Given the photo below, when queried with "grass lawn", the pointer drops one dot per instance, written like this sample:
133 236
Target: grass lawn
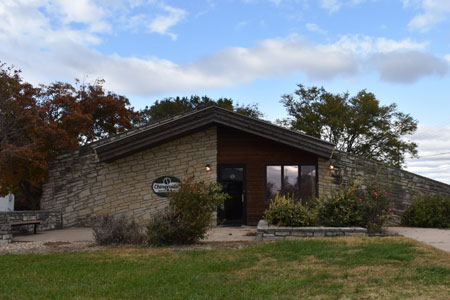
333 268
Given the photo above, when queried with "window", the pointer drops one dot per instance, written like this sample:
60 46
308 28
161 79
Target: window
299 181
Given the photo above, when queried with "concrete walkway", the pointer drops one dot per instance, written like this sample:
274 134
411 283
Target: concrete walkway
72 235
439 238
84 234
231 234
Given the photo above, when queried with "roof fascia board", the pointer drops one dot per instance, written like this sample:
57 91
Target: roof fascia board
177 127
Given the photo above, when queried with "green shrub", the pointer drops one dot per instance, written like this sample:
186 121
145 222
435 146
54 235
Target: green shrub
189 215
354 205
118 229
428 211
164 229
342 208
283 211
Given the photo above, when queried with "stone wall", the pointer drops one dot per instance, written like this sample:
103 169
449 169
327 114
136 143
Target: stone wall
265 232
82 188
49 220
5 229
403 185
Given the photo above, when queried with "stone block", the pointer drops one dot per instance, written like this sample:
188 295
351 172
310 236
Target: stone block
259 237
274 238
282 233
298 233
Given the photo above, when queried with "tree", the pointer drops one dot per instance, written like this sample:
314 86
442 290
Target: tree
169 107
85 112
37 124
358 124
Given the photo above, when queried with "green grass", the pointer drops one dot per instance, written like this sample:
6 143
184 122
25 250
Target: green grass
336 268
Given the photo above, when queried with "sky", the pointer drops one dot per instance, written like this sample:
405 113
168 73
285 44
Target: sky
253 51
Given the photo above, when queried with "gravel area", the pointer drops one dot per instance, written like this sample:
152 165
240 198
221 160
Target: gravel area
46 247
55 246
81 239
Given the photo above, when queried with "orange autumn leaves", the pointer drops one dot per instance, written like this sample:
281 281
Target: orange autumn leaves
38 123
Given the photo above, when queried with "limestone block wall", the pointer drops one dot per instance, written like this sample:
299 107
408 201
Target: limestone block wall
266 232
49 220
403 185
5 229
82 187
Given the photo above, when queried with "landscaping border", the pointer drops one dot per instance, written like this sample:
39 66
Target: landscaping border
266 232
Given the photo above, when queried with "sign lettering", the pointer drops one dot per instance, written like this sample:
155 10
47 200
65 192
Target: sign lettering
165 184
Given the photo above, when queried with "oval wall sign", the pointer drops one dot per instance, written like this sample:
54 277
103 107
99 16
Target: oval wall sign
165 184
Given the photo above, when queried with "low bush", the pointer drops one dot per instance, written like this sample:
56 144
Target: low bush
164 229
376 205
116 230
365 205
284 211
343 208
431 211
189 215
354 205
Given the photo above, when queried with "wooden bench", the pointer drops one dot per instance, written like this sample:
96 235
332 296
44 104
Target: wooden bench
35 223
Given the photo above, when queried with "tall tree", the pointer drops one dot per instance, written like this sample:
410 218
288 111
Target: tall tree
358 124
37 124
21 151
169 107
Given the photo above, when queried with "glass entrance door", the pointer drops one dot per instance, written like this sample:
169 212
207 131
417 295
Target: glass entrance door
232 179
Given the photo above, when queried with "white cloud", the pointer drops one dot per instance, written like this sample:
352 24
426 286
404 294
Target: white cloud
81 11
434 152
331 5
366 45
411 3
408 67
315 28
162 23
276 2
433 12
395 61
47 52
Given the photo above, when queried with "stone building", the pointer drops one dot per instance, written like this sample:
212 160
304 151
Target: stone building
129 173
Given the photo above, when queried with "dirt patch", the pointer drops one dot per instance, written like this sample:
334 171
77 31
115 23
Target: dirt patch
52 247
214 245
56 244
47 247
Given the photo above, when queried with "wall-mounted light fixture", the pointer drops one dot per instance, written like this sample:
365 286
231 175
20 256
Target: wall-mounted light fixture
334 170
208 168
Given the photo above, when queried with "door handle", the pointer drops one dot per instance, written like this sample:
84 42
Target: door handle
242 198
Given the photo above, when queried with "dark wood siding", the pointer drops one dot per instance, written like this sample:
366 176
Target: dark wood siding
237 147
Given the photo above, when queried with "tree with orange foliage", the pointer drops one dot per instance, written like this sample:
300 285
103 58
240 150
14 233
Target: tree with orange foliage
37 124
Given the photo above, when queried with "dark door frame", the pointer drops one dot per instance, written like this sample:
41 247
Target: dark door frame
244 185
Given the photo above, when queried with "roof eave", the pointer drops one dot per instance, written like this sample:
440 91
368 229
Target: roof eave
142 140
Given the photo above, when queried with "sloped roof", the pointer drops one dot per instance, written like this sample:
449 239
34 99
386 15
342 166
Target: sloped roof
154 134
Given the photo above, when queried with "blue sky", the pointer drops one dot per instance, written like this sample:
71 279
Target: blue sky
253 51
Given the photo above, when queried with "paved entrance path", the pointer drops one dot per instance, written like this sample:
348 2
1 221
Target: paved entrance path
84 234
439 238
72 235
231 234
